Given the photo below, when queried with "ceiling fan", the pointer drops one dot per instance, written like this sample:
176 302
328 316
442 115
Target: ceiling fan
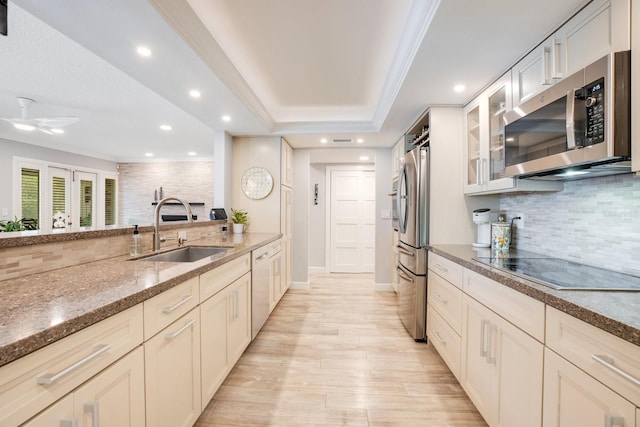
48 125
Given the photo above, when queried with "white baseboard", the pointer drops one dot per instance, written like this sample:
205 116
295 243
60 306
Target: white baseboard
383 287
318 270
299 285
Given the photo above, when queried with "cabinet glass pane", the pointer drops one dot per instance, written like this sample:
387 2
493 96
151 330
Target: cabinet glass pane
473 142
497 107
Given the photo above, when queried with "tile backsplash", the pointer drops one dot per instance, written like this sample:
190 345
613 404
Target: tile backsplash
593 221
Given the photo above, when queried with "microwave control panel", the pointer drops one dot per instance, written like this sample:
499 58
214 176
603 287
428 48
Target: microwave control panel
593 95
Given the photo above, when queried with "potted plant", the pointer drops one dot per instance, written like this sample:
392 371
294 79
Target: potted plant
239 218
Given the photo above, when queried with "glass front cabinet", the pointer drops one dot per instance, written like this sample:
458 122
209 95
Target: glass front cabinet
484 136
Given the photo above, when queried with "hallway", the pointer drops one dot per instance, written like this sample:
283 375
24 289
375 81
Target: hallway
337 355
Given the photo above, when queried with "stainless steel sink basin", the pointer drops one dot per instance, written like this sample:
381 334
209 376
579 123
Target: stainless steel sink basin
188 254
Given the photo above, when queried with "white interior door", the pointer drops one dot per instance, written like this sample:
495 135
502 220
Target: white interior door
352 221
83 202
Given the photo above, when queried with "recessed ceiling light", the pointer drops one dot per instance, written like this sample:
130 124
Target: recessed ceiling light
166 127
364 157
144 51
194 93
148 154
226 118
359 140
23 126
58 131
323 141
192 153
459 88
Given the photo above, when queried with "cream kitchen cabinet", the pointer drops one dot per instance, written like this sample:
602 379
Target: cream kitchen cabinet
113 398
589 369
502 368
397 158
485 144
225 322
276 282
172 373
603 26
444 310
574 399
37 380
286 228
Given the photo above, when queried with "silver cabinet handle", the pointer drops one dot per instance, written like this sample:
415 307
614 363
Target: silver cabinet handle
608 362
613 420
483 347
262 256
570 110
51 378
439 298
490 359
95 415
174 307
394 193
439 338
441 268
173 335
69 423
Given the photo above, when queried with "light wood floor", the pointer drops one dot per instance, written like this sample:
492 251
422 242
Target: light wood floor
337 355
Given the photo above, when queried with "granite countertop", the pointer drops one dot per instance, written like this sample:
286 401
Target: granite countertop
617 312
42 308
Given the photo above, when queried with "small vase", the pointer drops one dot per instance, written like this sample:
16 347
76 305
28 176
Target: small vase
238 228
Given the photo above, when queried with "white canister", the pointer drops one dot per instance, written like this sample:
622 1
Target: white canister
500 236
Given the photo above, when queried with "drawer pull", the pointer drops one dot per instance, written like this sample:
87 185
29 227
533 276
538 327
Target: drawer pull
403 276
608 362
95 417
439 338
172 335
403 251
174 307
439 298
441 268
51 378
613 420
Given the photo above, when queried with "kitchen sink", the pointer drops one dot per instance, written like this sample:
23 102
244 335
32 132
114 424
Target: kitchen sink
188 254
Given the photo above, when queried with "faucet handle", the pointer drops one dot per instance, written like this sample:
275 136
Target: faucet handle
181 240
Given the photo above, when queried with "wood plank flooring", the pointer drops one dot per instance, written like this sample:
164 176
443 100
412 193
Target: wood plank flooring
338 355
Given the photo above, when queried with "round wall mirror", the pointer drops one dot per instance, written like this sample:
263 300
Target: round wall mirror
257 183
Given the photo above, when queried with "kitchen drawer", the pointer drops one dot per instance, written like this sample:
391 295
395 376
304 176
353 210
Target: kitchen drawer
275 247
444 339
36 380
521 310
447 269
215 280
446 299
579 343
163 309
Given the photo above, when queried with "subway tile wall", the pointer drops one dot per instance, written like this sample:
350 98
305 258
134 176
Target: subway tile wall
593 221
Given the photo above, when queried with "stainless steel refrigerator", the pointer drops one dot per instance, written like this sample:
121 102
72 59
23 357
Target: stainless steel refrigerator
413 233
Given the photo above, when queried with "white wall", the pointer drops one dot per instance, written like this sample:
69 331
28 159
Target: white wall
10 148
450 220
383 226
222 173
264 214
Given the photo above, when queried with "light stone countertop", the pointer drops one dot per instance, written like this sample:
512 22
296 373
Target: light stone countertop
39 309
617 312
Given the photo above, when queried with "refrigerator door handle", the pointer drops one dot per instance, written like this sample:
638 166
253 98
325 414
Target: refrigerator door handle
403 200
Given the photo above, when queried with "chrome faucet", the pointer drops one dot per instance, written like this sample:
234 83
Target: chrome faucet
156 232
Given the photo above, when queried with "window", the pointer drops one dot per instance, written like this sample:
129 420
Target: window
110 201
30 195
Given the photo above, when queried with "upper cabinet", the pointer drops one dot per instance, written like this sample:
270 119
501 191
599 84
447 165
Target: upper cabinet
484 153
601 27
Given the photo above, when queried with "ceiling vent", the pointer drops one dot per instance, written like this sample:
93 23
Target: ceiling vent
343 140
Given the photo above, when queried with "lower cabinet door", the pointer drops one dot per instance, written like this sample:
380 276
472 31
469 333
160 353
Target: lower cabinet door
213 332
113 398
519 359
239 318
574 399
478 377
172 373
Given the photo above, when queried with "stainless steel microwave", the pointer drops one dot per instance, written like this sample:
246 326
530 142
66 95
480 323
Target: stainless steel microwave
579 126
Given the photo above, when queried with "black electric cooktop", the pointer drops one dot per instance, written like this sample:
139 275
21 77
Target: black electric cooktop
562 274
